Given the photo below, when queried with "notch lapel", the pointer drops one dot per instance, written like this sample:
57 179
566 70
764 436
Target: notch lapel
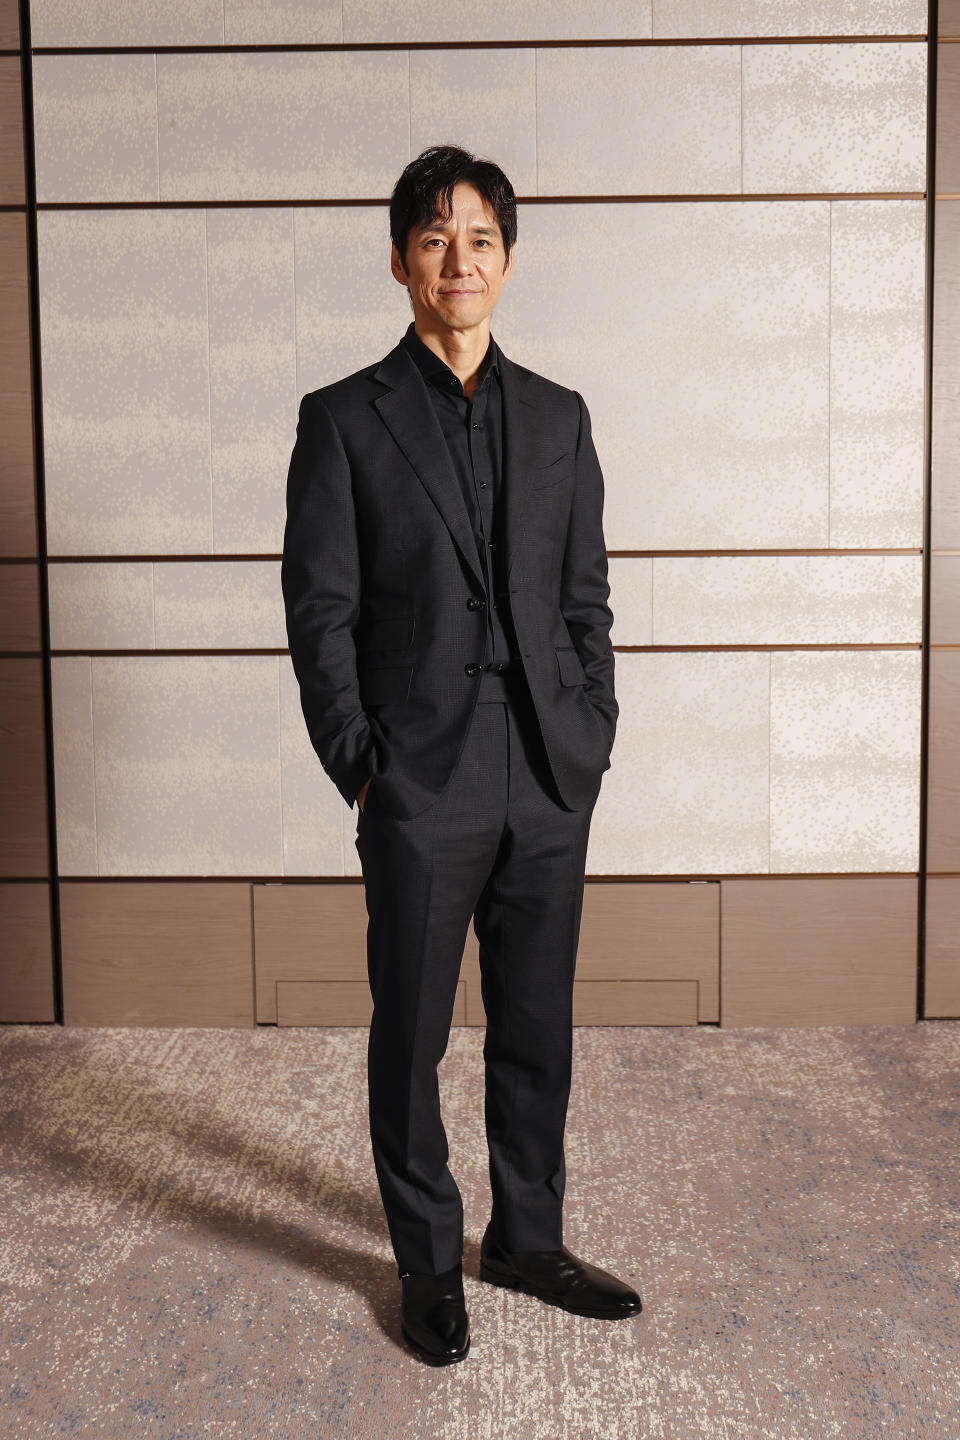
409 416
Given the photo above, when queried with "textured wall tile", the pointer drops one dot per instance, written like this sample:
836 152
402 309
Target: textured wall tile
696 18
677 127
631 600
221 604
876 372
318 829
350 309
282 22
484 100
687 790
844 761
783 599
73 765
834 117
253 350
188 765
101 606
134 22
496 20
95 121
698 335
125 382
289 126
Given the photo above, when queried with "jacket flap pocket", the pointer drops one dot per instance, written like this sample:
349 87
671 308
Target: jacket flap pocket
384 684
571 671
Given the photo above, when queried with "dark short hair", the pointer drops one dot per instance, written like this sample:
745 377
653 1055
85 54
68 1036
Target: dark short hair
425 191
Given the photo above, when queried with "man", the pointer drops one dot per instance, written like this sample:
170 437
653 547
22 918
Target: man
445 583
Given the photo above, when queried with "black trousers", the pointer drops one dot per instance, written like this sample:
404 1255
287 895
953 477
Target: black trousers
498 846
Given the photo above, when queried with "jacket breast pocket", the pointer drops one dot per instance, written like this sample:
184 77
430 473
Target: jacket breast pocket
384 684
546 476
571 670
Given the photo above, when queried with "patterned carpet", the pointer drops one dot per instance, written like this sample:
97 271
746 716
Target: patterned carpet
193 1244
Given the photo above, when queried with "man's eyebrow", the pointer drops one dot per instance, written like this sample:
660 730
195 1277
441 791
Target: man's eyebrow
478 227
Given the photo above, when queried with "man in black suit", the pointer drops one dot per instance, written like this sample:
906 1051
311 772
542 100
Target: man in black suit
445 583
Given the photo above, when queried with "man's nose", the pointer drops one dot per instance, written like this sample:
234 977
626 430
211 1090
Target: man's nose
458 256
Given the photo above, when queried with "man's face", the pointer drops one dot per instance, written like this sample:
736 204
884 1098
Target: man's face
456 268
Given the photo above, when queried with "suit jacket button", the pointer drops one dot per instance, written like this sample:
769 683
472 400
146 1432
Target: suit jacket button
472 668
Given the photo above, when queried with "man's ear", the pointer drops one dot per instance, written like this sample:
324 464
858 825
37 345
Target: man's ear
509 265
396 266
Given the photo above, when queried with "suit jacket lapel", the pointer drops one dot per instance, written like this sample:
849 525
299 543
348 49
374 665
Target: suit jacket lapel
409 416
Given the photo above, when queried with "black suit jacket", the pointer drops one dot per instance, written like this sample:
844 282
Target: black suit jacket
385 599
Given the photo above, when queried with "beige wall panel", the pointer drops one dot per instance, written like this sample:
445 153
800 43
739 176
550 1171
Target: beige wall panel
23 776
19 607
948 120
635 1002
876 372
26 960
819 951
95 119
338 1002
782 600
319 829
942 935
18 523
943 774
949 17
187 754
484 100
123 300
721 443
156 954
371 20
10 25
844 760
350 310
253 396
275 125
307 933
282 22
134 22
677 122
834 117
73 765
101 606
220 604
945 452
697 18
945 600
12 178
687 792
631 599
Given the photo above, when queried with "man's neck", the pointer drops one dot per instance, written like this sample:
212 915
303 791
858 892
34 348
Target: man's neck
462 350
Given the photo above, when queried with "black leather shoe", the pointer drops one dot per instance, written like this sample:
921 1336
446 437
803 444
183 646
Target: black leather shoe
434 1319
560 1278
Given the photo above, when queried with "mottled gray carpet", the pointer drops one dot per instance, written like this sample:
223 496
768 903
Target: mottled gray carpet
193 1244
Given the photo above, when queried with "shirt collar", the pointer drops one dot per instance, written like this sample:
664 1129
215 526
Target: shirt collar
437 371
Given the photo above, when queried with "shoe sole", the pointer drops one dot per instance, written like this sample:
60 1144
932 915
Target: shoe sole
514 1282
428 1355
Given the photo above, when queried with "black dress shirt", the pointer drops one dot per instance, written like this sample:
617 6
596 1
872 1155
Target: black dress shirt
473 430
